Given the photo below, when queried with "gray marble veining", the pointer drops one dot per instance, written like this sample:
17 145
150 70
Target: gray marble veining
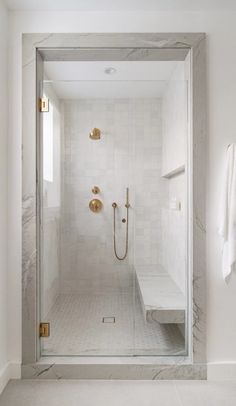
165 41
113 371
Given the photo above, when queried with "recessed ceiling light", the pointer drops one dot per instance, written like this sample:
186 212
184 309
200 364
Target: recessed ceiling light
110 70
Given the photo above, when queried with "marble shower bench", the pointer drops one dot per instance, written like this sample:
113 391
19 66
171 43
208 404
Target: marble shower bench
162 300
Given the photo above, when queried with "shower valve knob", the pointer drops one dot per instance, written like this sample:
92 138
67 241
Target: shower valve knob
95 190
95 205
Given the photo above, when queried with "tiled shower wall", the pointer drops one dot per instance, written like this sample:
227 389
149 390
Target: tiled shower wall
174 226
127 155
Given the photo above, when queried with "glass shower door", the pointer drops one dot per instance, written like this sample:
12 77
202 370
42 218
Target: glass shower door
87 294
92 150
50 227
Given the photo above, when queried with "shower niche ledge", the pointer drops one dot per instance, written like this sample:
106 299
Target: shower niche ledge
161 298
174 172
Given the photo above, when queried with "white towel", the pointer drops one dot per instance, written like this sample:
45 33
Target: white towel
227 228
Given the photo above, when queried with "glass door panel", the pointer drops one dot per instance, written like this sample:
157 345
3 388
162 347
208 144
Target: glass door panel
100 138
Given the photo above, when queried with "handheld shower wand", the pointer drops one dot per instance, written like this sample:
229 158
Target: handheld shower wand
127 205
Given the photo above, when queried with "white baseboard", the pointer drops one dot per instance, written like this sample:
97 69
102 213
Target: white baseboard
225 371
10 371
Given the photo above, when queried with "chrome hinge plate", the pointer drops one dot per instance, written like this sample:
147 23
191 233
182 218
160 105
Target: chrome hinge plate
44 330
44 105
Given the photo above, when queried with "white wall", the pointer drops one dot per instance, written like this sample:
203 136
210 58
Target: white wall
221 61
8 369
3 189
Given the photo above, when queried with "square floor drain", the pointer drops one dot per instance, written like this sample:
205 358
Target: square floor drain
108 319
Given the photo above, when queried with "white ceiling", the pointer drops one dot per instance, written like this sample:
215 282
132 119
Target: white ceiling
74 80
125 70
118 5
108 90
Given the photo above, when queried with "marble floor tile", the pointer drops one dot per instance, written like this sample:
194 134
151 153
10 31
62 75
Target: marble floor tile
118 393
77 328
206 393
89 393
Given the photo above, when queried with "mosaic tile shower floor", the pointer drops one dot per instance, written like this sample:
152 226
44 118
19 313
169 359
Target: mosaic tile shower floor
77 328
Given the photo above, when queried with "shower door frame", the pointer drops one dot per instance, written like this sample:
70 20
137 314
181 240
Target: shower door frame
39 47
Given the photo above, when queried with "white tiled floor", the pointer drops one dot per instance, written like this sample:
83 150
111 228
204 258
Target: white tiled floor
118 393
77 328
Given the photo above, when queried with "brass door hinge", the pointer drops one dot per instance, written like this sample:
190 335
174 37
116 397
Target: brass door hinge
44 105
44 330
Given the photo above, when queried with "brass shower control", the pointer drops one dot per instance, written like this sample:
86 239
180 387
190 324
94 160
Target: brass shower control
95 190
95 205
95 134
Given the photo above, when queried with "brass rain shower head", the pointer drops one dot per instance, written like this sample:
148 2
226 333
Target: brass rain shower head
95 134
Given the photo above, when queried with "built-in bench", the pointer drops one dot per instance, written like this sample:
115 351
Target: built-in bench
161 298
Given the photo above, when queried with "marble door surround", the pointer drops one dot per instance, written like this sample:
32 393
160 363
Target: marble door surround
37 48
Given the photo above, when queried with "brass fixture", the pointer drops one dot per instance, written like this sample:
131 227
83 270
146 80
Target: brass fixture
95 134
95 205
44 105
95 190
44 330
110 319
127 205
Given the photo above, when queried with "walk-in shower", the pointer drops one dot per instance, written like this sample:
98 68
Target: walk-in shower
119 255
103 113
112 248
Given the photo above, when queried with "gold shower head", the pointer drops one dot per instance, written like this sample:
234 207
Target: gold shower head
95 134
